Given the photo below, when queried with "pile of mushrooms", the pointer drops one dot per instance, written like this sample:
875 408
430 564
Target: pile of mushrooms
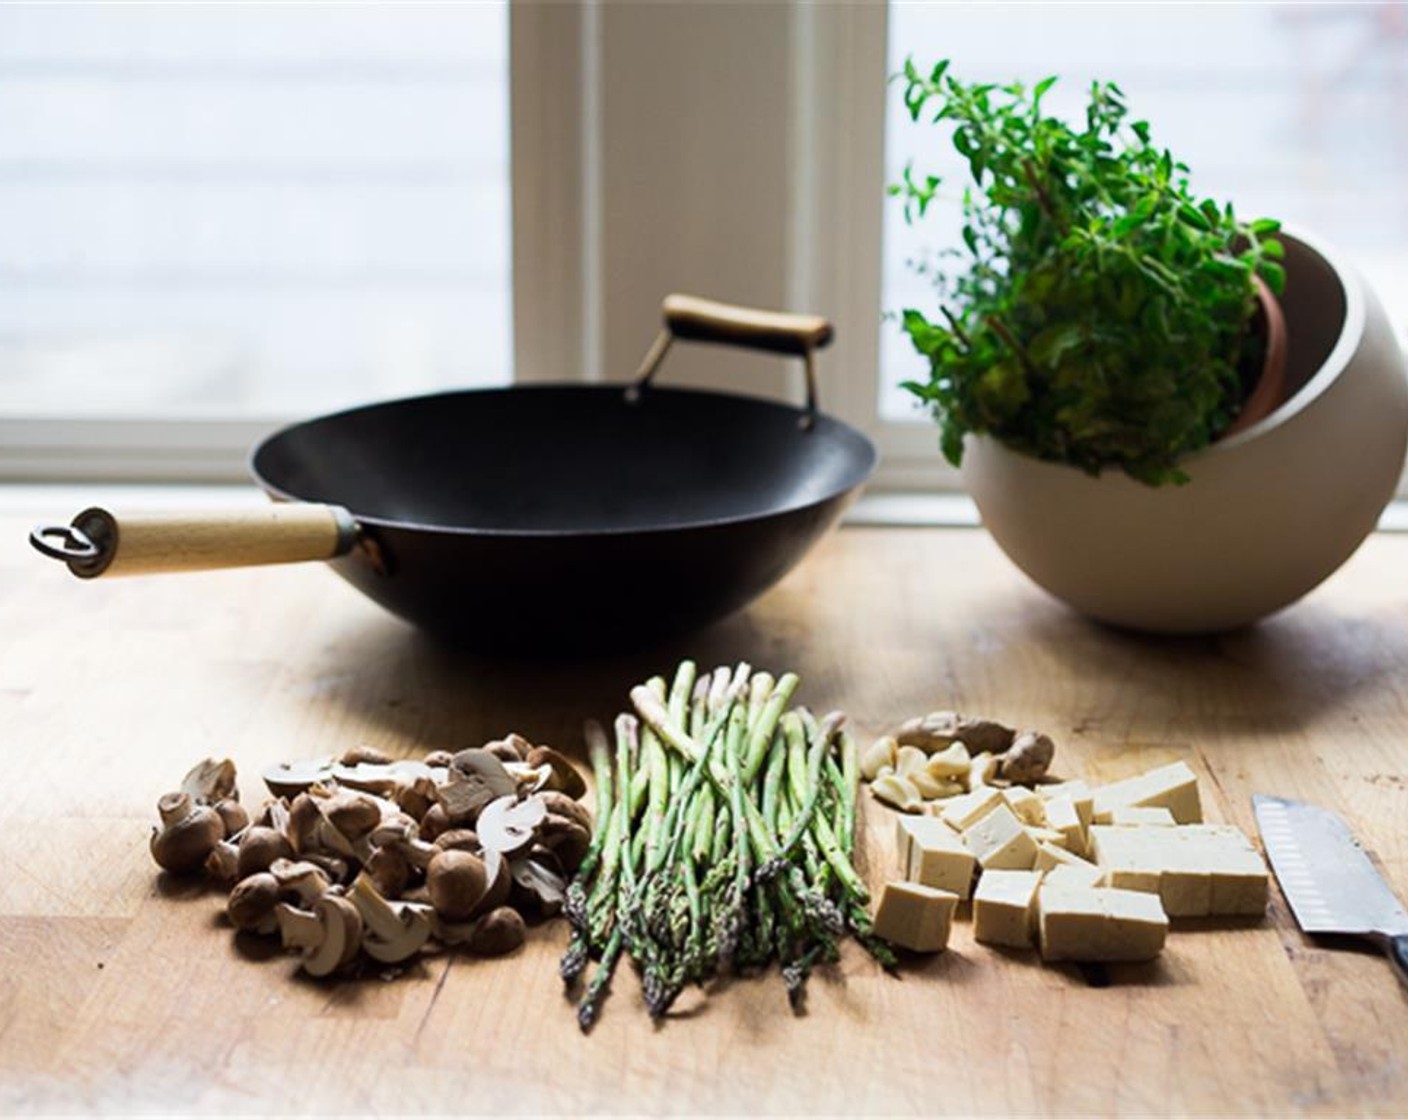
368 858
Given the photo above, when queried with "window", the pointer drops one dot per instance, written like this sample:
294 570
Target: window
234 214
1287 110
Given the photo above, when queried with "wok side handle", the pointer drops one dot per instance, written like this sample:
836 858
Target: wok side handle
705 320
100 543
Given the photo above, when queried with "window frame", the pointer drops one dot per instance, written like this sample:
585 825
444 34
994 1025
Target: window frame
818 89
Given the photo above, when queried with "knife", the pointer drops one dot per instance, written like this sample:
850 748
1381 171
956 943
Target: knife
1328 880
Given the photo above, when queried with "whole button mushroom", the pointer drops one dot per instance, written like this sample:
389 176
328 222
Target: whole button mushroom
188 833
457 882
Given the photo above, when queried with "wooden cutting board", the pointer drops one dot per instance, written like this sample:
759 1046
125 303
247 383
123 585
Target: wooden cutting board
122 991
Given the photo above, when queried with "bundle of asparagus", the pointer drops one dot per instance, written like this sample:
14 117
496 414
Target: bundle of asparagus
725 830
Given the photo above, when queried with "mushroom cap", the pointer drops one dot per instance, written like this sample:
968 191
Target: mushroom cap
182 846
565 837
251 904
259 847
500 931
457 882
559 803
233 815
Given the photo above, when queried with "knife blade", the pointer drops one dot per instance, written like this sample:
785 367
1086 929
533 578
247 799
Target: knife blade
1329 881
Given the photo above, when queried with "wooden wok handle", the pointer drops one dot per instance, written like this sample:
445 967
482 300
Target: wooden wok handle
100 543
707 320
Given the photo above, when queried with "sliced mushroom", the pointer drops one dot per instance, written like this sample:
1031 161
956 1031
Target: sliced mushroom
537 885
388 936
211 780
439 760
289 779
477 762
508 825
530 779
351 814
463 799
300 879
188 833
400 835
364 752
328 936
565 776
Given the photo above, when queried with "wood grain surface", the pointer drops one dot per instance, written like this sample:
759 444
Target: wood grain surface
123 991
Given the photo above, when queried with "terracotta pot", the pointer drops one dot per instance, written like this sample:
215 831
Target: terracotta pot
1270 389
1269 512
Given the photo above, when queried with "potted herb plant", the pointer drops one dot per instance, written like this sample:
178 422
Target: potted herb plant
1098 364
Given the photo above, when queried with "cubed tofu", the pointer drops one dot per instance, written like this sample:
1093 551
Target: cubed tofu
1153 816
998 841
1080 874
1030 808
1046 836
1173 787
1099 924
1004 908
1049 856
1081 796
960 812
931 853
1196 870
907 828
915 917
1063 817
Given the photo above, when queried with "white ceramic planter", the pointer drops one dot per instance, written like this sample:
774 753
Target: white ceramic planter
1268 513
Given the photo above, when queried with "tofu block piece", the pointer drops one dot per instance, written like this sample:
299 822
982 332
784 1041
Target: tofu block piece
1004 908
1173 787
1063 817
1046 836
1154 816
1030 808
1081 796
1196 870
961 812
907 828
1050 856
915 917
999 842
1099 924
931 853
1080 874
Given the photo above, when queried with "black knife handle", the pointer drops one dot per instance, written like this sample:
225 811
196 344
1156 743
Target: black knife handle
1396 948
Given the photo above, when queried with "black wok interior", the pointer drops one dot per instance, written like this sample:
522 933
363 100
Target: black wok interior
565 459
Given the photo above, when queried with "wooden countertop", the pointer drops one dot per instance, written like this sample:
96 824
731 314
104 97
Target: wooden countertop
123 992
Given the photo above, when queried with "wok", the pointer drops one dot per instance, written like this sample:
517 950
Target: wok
537 518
